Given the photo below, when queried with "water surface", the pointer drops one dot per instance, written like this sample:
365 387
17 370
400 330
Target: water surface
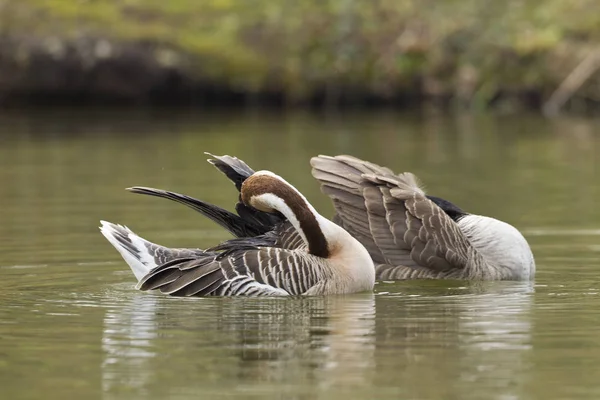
71 323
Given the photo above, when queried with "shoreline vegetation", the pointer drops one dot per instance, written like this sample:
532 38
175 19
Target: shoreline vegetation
513 55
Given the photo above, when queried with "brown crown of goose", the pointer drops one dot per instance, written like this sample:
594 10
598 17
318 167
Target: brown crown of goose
257 185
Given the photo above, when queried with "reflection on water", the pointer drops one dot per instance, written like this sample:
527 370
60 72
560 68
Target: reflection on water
127 344
71 324
322 341
320 346
475 335
496 337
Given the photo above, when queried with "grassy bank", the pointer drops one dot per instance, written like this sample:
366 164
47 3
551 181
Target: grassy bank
476 52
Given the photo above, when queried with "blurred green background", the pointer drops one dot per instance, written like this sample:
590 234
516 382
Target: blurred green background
479 54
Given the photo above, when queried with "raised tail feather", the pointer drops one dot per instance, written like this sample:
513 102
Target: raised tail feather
141 255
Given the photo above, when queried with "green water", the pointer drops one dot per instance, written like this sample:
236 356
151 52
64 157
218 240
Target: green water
72 325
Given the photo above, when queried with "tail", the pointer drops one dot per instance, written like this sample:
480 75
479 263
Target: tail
141 255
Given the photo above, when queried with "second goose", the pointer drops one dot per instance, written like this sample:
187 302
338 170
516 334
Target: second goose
411 235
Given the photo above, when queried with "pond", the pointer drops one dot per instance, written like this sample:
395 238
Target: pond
72 325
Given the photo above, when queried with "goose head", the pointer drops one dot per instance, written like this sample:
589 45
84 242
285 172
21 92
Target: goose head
268 192
265 191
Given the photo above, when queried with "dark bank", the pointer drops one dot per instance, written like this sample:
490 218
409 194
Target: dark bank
511 55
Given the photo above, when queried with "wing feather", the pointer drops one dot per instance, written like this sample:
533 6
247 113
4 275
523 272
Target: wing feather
260 271
407 234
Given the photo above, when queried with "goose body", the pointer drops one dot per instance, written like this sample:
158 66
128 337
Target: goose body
282 246
411 235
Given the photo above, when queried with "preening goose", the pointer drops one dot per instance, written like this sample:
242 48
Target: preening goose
283 246
411 235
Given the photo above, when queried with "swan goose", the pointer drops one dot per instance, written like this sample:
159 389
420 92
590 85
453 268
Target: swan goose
411 235
283 246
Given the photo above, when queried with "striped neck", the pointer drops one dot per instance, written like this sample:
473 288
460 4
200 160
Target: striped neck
268 192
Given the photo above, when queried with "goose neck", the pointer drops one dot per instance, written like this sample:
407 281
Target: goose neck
267 192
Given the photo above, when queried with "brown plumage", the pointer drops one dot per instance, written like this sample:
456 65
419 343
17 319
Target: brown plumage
410 235
255 186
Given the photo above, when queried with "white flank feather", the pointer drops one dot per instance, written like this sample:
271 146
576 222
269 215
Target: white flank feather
500 243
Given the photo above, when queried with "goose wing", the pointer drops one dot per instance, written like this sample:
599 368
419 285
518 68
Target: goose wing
247 223
244 225
237 225
235 271
403 230
237 171
287 237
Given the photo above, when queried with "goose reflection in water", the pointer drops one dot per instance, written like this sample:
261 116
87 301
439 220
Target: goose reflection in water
429 341
458 340
161 346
